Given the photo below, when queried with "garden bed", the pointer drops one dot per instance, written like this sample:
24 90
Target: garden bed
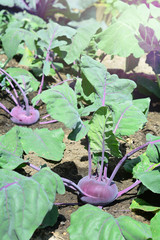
74 164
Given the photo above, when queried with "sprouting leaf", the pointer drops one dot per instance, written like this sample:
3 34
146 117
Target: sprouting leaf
103 225
100 132
140 204
45 143
127 118
25 201
109 88
10 150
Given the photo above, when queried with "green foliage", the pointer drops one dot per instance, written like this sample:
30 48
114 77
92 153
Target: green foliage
103 225
25 201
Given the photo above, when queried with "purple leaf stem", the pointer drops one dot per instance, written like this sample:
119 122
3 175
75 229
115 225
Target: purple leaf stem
23 93
104 94
47 58
15 92
89 159
120 119
45 116
102 161
12 96
66 204
105 171
6 186
67 80
5 109
47 122
128 188
123 159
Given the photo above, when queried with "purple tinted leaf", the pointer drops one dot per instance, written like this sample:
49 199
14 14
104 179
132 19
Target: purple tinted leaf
153 59
147 40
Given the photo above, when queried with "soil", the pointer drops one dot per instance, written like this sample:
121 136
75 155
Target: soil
74 164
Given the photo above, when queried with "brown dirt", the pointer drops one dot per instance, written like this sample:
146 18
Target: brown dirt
74 164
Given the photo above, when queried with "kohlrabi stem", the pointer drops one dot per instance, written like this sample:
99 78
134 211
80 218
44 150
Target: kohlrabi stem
12 96
14 90
122 161
5 109
105 171
47 122
128 188
47 59
23 93
89 159
63 81
102 160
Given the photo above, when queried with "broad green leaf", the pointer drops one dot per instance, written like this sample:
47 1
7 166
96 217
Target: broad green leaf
10 150
15 36
109 88
142 104
90 222
45 143
148 87
79 132
142 166
119 37
143 205
24 202
100 132
26 79
62 105
80 41
151 180
155 223
127 118
153 150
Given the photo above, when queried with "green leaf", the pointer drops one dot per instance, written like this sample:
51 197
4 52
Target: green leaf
90 222
13 37
50 218
45 143
142 104
119 37
108 88
153 150
143 205
26 79
155 223
149 85
62 105
24 202
100 132
80 41
10 150
142 166
151 180
46 68
127 118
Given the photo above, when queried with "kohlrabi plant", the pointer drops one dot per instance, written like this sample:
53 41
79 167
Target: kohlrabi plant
22 113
